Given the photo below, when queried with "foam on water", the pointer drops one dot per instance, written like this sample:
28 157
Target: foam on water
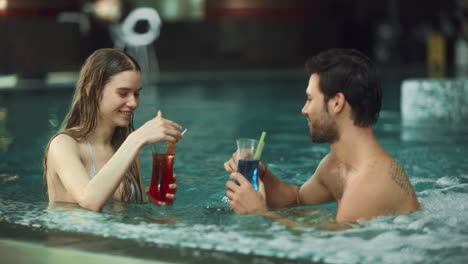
440 227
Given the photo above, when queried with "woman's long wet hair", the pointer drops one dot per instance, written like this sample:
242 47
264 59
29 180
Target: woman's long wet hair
81 120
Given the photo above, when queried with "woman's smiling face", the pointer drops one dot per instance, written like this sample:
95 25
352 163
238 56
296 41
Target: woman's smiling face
120 97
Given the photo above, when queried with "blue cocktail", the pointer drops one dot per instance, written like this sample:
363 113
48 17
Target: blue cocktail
248 158
249 168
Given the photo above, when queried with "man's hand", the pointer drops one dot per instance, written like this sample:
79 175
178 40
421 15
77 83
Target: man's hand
231 166
244 198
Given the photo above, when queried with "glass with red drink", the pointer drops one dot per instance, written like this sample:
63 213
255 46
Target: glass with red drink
162 174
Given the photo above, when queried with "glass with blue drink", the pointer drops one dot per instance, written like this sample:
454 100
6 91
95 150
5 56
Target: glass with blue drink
248 158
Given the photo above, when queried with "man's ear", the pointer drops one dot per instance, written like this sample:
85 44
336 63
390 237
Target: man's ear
337 103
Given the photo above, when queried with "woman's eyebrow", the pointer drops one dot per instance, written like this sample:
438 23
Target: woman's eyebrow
129 89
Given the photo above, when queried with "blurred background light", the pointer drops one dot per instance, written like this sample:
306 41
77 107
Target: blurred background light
3 5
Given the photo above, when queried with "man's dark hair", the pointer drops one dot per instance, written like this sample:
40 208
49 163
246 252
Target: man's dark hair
352 73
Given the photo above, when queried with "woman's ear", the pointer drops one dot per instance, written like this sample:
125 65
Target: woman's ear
337 103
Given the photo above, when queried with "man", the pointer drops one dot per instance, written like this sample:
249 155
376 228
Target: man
343 102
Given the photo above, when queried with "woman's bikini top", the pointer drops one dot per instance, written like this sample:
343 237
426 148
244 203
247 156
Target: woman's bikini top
135 191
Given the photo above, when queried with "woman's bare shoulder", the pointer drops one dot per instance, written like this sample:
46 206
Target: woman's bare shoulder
62 149
63 142
63 139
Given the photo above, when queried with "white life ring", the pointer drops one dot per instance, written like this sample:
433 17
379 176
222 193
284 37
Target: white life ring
132 38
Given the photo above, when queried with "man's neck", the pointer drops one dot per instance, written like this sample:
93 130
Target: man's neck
355 146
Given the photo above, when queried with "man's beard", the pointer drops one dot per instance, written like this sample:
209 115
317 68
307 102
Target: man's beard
324 129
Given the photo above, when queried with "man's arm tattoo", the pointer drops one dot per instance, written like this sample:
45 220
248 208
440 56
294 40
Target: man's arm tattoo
399 176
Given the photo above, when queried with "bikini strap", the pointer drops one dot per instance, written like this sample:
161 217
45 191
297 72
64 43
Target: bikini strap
135 194
90 148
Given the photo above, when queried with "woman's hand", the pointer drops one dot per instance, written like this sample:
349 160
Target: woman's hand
158 129
171 196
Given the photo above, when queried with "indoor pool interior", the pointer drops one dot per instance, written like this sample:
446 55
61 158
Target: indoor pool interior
200 227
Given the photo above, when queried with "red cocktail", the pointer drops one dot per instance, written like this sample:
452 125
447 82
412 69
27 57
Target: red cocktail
162 177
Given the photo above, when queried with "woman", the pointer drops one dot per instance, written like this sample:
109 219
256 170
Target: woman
94 156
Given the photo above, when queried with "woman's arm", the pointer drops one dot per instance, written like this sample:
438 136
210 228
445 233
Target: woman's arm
93 193
90 193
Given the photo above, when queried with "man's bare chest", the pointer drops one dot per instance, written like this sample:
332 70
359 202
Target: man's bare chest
336 181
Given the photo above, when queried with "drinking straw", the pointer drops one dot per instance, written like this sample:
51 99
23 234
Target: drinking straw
259 149
171 145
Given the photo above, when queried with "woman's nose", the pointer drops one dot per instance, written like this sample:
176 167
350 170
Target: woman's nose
132 101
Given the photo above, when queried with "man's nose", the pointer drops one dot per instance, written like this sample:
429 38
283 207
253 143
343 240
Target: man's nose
303 110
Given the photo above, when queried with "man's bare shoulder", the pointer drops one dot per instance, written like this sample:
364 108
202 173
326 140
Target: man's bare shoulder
325 168
398 175
390 181
329 161
380 189
316 189
389 174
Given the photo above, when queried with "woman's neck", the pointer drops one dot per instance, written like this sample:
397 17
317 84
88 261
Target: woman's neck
102 135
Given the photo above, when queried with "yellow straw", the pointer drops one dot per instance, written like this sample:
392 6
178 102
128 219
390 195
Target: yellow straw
260 146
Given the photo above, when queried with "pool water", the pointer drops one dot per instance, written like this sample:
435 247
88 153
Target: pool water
216 113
